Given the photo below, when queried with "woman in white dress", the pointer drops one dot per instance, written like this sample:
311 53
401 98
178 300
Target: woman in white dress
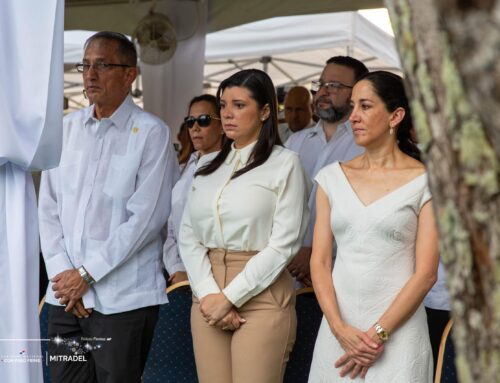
377 207
244 220
206 135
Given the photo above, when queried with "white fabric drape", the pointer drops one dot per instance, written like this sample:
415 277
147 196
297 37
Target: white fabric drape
31 80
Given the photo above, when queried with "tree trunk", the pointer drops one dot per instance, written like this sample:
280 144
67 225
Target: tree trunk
450 53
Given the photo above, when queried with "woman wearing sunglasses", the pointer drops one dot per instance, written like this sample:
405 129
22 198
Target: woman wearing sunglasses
244 220
206 134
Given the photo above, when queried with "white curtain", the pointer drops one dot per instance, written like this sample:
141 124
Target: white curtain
31 101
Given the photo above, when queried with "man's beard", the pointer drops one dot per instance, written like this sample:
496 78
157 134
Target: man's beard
333 113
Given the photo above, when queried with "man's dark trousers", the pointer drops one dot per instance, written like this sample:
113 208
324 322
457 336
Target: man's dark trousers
102 348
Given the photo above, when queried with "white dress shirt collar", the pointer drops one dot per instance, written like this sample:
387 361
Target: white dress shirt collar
318 130
193 160
243 153
118 118
194 157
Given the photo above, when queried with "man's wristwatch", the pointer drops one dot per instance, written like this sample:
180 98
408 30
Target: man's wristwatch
86 276
381 332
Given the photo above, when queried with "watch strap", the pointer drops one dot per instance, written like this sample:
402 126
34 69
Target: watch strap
86 276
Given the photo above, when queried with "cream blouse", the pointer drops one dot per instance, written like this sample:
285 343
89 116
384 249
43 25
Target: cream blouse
263 210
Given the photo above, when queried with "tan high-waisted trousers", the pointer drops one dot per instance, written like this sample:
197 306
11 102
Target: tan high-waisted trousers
257 352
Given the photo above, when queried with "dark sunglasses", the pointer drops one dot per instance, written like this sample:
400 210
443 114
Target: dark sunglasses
203 120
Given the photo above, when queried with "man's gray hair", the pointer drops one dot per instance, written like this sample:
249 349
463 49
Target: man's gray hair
126 49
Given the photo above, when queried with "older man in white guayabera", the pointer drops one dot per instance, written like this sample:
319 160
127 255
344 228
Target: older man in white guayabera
31 78
101 212
330 140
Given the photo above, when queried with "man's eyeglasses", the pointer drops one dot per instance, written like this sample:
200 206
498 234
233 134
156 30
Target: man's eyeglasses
332 86
99 67
203 120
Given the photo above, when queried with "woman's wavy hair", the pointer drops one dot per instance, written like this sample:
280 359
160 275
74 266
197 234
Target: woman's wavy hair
261 88
390 88
207 98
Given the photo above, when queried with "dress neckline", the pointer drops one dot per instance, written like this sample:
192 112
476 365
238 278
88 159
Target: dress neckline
385 196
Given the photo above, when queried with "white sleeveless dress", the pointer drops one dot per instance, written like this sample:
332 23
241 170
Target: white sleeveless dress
375 258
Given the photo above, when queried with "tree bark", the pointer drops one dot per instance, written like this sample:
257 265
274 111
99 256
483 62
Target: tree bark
450 53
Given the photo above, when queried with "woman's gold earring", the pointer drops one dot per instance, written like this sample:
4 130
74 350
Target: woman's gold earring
391 131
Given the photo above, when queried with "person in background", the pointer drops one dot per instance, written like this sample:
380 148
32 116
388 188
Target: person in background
330 140
437 307
297 112
244 220
186 146
378 208
206 134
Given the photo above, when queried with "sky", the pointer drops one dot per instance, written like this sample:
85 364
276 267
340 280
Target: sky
379 17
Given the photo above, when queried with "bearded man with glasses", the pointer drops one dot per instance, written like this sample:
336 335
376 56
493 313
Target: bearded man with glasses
330 140
101 212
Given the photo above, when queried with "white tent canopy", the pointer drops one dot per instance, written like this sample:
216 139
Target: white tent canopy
73 45
123 15
293 49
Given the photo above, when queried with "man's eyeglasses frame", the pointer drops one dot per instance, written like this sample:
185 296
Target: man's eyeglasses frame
99 67
331 86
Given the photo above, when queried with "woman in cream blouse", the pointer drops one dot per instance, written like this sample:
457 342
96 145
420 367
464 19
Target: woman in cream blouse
244 221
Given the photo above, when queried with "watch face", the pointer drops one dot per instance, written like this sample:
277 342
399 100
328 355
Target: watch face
384 335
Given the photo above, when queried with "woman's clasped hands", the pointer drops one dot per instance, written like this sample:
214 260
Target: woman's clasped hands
362 349
219 311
